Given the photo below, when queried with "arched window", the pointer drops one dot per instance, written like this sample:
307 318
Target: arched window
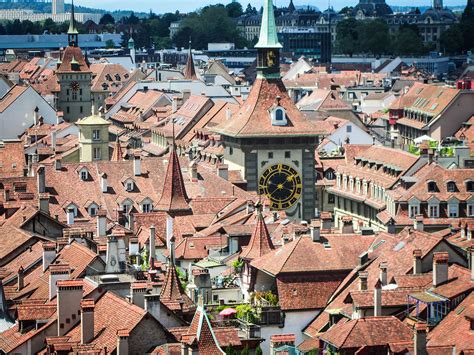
431 186
451 186
470 186
279 114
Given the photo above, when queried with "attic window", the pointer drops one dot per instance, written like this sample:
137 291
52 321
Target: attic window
451 186
84 174
431 186
470 186
278 115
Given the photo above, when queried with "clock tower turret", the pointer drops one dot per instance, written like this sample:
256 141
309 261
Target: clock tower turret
269 140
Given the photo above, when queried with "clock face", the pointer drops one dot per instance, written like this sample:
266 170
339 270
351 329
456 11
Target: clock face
75 86
282 185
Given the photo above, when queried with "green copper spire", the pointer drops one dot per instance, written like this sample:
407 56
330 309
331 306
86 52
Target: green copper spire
72 21
268 33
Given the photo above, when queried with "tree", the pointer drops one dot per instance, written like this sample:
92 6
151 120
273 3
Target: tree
347 36
346 10
407 41
467 25
250 10
258 350
109 44
374 37
245 351
107 19
451 40
234 9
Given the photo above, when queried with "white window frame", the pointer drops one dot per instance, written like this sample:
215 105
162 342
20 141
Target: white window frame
146 207
96 153
455 212
96 135
433 210
92 210
470 210
413 208
84 174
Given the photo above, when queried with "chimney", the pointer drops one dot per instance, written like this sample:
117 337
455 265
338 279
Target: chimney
53 140
104 186
122 342
383 273
152 305
41 176
471 254
416 261
418 223
101 223
228 113
151 246
58 164
315 230
57 272
87 320
174 104
112 256
419 341
440 268
49 254
137 293
363 276
193 171
223 171
6 194
186 95
68 304
137 164
44 203
378 299
70 216
347 227
326 217
20 278
169 230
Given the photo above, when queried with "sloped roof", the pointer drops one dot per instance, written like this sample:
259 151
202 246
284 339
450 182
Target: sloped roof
71 55
253 119
260 241
172 294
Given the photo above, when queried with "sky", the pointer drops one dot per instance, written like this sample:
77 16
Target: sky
162 6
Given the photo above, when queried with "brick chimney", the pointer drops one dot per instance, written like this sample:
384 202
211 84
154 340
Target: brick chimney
53 140
44 202
378 299
419 339
41 179
122 342
49 254
68 304
101 223
417 261
363 276
58 163
383 273
228 113
440 268
87 320
137 164
347 227
57 272
20 278
315 230
418 224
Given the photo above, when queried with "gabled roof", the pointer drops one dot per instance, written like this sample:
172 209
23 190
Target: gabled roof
173 198
172 294
260 241
372 331
72 56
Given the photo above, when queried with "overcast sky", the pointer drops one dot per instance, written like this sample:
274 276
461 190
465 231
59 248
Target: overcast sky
161 6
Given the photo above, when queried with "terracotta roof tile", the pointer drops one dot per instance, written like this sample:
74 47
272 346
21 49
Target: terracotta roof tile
260 242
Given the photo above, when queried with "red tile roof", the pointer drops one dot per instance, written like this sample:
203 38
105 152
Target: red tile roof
69 55
373 331
172 294
253 118
260 241
189 69
12 158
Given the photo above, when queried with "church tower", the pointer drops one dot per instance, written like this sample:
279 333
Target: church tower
75 78
269 140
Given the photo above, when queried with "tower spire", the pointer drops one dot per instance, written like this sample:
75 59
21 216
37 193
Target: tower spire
268 33
72 33
189 70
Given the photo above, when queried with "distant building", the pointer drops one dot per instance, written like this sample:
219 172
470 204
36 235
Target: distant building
57 7
30 15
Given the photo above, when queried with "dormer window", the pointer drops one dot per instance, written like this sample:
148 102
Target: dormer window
84 174
129 186
451 186
470 186
278 115
72 207
431 186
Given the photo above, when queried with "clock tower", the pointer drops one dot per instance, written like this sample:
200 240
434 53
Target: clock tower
75 78
269 140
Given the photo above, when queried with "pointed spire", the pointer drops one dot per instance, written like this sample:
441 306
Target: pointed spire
174 199
291 7
190 70
117 154
260 241
72 32
268 32
202 335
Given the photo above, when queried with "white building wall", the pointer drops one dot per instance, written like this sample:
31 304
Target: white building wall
20 114
338 138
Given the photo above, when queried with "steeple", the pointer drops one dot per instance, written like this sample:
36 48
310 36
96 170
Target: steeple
117 154
72 33
189 70
268 47
260 241
291 7
174 199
